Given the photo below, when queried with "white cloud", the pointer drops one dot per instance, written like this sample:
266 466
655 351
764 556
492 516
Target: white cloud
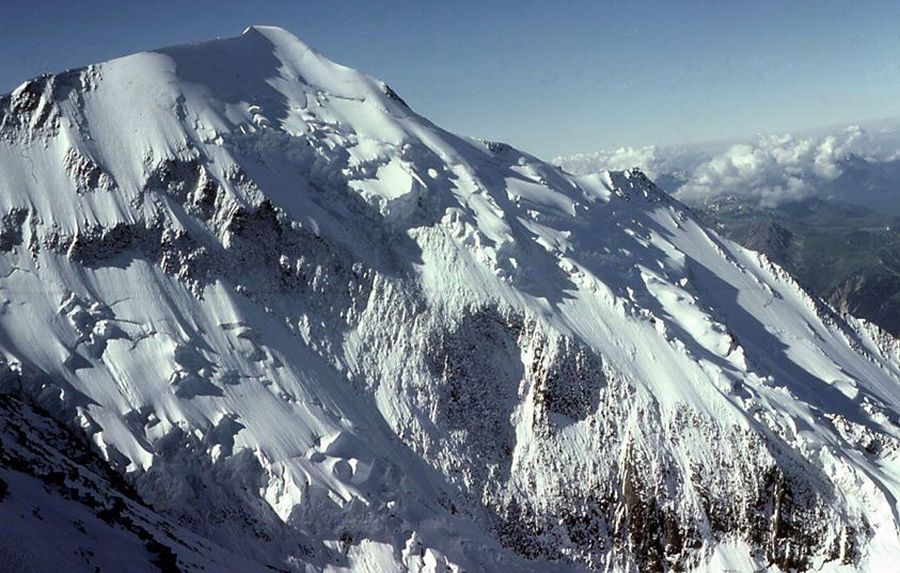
773 169
618 160
650 159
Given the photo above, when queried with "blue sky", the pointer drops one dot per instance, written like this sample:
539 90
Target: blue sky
549 77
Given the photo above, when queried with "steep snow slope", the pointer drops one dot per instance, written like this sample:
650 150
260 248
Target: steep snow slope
63 508
324 333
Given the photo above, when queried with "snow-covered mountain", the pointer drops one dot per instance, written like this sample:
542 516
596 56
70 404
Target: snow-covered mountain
315 331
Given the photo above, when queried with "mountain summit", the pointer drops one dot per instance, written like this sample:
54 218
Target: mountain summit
313 331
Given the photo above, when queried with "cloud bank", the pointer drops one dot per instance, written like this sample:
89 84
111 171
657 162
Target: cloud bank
772 170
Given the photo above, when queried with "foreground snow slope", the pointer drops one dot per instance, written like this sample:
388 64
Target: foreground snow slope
324 333
63 508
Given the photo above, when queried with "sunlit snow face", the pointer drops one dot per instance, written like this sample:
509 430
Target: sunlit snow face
325 310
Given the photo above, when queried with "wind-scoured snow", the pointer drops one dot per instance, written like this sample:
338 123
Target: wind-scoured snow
323 333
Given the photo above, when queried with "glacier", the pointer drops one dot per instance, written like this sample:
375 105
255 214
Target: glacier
314 331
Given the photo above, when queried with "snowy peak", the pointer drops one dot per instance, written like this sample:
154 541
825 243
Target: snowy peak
279 40
274 33
325 333
241 65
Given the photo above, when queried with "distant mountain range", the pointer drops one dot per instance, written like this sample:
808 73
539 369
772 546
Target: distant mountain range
847 254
